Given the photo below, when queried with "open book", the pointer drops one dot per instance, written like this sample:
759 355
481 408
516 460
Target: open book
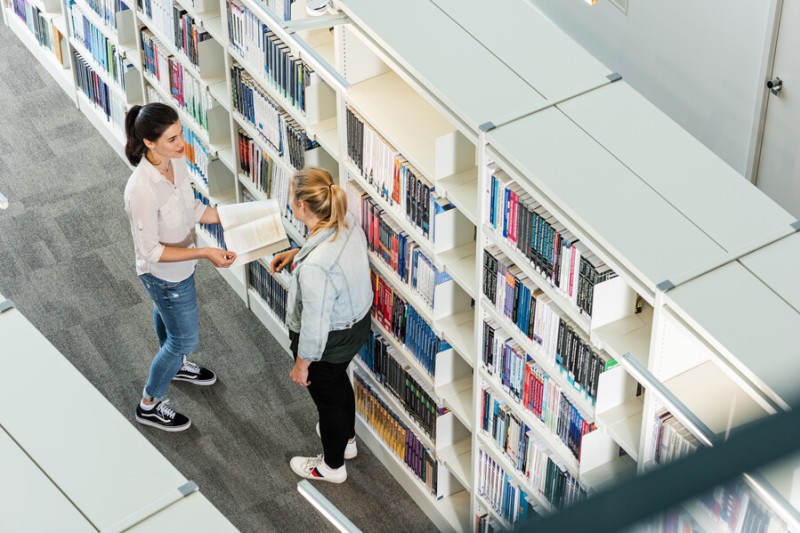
253 229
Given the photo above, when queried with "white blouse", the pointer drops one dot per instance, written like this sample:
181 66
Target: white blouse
160 212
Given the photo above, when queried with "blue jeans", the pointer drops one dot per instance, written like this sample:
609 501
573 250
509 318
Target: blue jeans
176 323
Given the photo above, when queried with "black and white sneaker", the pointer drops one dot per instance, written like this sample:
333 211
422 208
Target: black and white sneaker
194 373
163 417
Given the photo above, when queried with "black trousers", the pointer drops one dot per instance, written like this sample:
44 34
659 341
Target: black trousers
332 393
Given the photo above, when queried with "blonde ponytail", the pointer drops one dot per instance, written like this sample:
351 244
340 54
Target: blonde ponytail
324 199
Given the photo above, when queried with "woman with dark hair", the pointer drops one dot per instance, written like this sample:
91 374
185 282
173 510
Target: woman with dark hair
163 212
327 315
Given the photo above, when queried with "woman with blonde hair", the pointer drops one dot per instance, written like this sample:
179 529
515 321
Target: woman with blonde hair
327 315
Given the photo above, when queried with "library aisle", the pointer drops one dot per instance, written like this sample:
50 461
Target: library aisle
67 261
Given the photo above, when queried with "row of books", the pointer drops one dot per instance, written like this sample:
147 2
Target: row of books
187 34
197 155
272 289
186 91
544 242
159 12
411 196
731 506
214 231
253 41
397 250
298 143
484 523
508 432
46 34
96 90
269 178
533 313
397 436
672 439
107 10
98 45
276 127
550 478
533 387
518 299
406 325
498 489
546 401
255 163
402 381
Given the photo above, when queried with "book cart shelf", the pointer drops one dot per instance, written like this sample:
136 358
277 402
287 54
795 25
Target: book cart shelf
582 279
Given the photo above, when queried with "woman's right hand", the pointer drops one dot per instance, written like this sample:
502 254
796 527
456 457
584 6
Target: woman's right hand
283 259
220 258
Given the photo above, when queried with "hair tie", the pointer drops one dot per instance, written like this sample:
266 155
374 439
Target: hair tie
331 186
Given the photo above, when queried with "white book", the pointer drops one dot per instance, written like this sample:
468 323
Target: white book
253 229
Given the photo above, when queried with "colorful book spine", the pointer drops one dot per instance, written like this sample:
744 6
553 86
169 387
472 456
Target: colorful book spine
272 288
410 196
163 71
506 497
258 47
99 93
561 260
214 231
268 177
530 311
398 378
400 439
406 325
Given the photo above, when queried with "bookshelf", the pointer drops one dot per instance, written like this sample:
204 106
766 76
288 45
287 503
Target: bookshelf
679 282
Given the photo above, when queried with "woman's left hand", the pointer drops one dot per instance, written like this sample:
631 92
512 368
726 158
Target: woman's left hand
299 373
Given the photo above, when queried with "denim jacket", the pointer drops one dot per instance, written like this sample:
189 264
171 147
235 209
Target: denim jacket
330 288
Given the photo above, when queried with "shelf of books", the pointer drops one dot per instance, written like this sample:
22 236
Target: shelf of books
274 63
410 455
545 366
267 295
39 31
113 20
744 504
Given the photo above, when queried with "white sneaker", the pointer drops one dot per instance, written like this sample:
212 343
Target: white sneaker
314 468
350 451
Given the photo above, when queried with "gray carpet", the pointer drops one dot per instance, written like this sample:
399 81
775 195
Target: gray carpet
66 258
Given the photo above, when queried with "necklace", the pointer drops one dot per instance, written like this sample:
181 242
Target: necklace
165 171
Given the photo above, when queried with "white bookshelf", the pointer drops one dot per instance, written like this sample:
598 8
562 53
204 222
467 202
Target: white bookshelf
510 92
458 459
268 318
60 73
113 135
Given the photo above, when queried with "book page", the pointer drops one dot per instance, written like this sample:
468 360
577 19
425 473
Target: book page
233 215
253 230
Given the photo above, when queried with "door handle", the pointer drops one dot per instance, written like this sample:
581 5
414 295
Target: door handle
775 85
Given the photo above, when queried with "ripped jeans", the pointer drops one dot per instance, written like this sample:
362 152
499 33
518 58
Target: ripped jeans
176 323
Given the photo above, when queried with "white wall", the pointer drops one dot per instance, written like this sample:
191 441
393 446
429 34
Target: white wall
699 61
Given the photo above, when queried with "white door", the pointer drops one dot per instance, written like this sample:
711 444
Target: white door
779 165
